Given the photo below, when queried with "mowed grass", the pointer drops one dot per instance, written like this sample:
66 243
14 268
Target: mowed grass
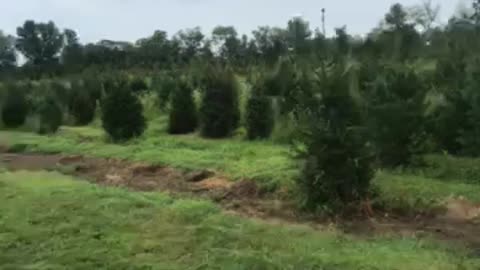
263 161
268 163
50 221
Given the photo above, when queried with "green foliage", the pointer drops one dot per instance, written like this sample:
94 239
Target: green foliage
183 114
82 106
122 112
164 84
259 120
15 107
8 58
338 166
259 113
469 137
138 85
397 122
40 43
219 112
50 116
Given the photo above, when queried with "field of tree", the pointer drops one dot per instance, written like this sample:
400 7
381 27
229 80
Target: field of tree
283 149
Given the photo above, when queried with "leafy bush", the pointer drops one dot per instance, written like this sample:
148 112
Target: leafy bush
122 112
50 116
15 107
338 167
219 112
183 114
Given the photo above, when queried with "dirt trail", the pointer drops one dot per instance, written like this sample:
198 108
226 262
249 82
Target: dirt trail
245 198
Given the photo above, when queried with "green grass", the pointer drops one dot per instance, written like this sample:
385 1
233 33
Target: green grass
270 164
263 161
50 221
414 193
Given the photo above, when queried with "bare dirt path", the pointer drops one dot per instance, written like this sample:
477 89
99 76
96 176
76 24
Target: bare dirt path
242 198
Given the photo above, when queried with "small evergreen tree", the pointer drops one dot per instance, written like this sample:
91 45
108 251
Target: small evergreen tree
183 114
138 85
82 106
50 116
219 111
15 107
122 112
338 166
396 108
259 114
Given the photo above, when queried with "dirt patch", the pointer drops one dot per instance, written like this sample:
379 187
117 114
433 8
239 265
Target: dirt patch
459 223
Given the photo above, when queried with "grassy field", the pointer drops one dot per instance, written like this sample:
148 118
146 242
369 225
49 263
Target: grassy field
263 161
50 221
268 163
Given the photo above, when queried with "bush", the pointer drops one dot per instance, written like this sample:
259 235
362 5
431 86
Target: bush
219 112
50 116
338 167
164 85
82 106
122 112
183 114
138 85
15 107
259 115
397 116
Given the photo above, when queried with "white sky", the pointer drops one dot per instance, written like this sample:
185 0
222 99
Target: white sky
130 20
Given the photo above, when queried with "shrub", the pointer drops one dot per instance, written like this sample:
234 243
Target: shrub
219 111
122 112
82 106
259 114
50 116
397 116
164 85
338 166
15 107
138 85
183 114
259 117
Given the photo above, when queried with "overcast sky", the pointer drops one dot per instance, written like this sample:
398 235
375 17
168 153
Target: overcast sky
130 20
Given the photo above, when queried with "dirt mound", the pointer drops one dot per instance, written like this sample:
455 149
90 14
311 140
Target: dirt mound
461 210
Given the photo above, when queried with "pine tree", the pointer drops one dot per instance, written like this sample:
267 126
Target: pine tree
259 114
338 160
50 115
183 114
82 105
219 111
15 107
122 112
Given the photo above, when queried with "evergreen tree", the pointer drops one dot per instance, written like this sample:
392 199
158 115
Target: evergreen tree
122 112
50 115
219 111
259 114
396 108
338 166
15 107
82 105
183 114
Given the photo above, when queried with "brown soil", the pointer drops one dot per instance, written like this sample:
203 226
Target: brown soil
460 224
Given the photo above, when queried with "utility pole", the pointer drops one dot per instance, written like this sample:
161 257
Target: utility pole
323 22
